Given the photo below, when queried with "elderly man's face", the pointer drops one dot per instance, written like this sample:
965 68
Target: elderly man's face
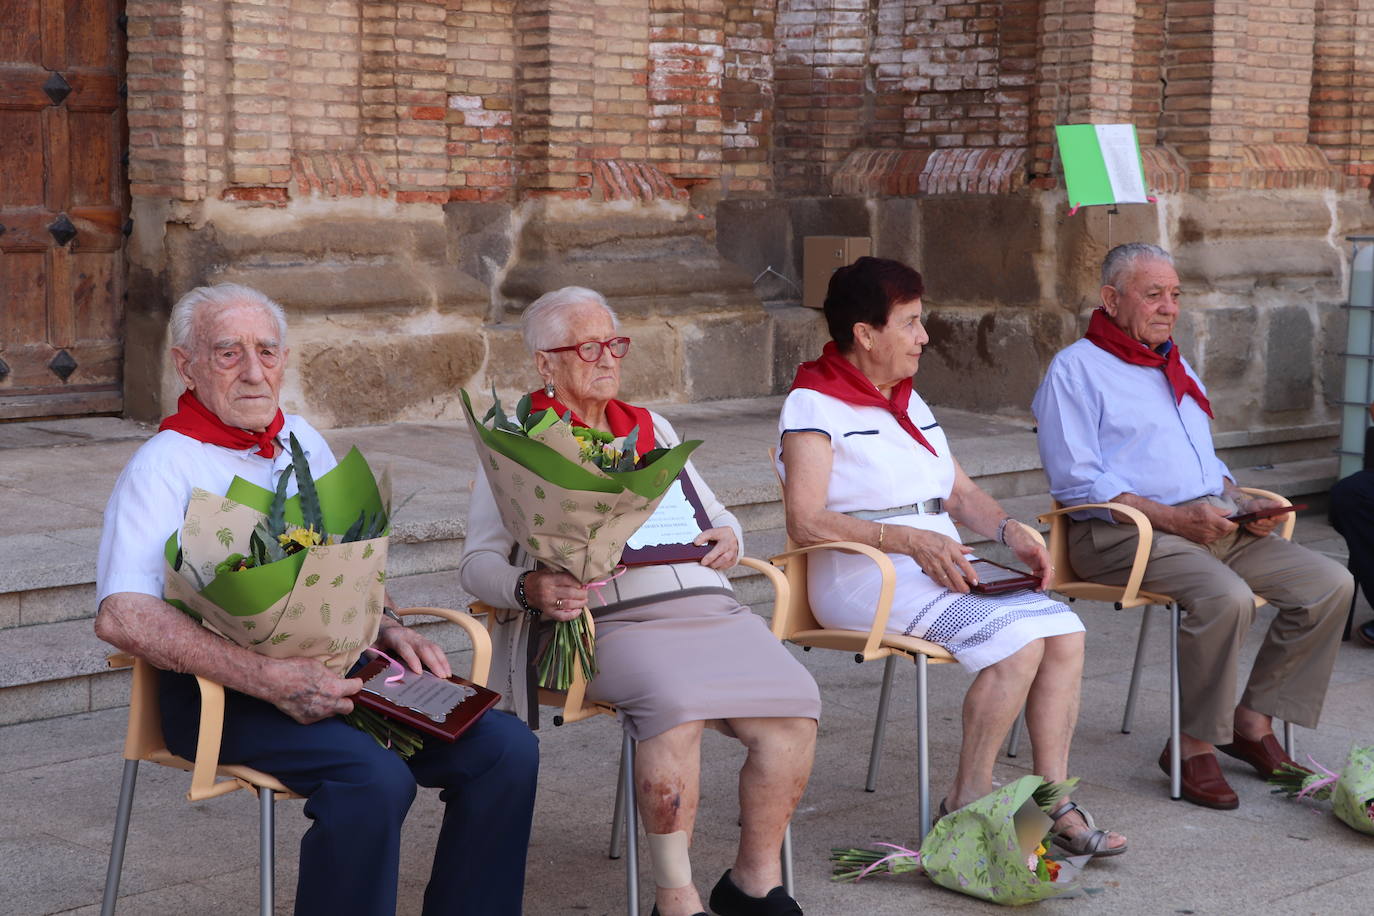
1145 305
576 381
236 365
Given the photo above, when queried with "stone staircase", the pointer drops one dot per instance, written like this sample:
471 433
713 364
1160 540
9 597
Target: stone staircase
55 477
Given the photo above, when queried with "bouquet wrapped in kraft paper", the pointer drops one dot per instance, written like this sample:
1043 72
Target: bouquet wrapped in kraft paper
571 499
286 578
993 848
1351 791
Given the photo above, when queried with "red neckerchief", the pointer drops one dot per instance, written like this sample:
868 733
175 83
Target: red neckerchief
836 376
620 417
1105 333
194 419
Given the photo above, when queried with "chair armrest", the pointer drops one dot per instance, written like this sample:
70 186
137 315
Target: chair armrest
889 573
477 634
781 590
118 660
1290 521
203 783
1144 539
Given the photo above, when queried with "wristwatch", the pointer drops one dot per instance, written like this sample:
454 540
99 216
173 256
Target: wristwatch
522 599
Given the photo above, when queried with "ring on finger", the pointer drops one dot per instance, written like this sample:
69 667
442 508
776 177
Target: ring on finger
558 604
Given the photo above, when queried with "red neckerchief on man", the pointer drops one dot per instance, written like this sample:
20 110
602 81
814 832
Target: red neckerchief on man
194 419
620 417
1104 333
836 376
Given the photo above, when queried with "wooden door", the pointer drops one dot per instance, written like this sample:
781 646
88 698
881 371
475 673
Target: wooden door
63 206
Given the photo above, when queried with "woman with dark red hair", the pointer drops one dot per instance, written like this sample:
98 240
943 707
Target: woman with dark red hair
864 459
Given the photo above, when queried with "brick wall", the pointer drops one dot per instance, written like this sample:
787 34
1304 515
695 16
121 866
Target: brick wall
429 101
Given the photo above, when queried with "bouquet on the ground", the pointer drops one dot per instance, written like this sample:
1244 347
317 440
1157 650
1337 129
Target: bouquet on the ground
1351 791
993 848
570 496
291 577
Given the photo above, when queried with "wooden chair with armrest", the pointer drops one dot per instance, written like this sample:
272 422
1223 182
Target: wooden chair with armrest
574 706
1067 583
209 778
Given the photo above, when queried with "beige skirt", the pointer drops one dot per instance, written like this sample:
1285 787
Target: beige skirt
696 658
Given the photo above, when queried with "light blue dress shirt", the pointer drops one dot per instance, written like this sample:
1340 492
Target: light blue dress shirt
1108 427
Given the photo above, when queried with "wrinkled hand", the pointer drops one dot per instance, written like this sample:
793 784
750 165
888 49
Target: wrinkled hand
1030 551
412 649
942 558
557 594
307 691
724 553
1261 527
1201 523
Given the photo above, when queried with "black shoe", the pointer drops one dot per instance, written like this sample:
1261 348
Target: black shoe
654 912
1366 633
728 900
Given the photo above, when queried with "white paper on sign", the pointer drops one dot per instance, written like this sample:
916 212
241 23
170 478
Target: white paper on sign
673 522
1122 158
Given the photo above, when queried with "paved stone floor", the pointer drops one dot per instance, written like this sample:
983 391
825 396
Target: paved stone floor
59 779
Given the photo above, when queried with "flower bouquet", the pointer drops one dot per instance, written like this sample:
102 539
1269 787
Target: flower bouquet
571 497
291 577
993 848
1351 792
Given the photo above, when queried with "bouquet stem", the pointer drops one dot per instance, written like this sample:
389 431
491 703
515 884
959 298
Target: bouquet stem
853 864
571 641
387 732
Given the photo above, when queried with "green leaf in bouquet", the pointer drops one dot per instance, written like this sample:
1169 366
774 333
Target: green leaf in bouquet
276 513
627 452
543 421
311 514
344 491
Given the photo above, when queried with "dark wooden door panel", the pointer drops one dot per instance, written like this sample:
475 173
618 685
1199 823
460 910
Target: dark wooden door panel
63 206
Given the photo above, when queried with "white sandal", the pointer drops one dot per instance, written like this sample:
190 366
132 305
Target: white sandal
1092 842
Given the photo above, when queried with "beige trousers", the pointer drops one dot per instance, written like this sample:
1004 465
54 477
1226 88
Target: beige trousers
1213 584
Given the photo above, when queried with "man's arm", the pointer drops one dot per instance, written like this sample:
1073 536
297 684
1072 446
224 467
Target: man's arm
1202 523
155 631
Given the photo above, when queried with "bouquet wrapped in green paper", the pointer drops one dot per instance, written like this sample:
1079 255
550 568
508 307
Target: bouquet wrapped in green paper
993 848
570 497
289 578
1351 791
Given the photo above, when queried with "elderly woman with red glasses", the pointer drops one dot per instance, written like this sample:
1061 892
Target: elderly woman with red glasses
674 647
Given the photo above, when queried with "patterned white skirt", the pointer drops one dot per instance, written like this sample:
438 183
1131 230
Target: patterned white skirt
978 630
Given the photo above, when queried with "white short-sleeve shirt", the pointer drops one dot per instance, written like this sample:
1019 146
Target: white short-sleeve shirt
150 497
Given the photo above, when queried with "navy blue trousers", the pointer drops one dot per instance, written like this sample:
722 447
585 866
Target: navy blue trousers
1352 514
357 794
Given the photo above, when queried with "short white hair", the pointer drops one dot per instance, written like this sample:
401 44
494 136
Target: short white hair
182 323
545 321
1122 259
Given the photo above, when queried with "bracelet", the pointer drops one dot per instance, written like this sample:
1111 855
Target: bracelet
521 598
882 529
1002 530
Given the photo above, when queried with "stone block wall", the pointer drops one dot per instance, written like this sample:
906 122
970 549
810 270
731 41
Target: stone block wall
408 174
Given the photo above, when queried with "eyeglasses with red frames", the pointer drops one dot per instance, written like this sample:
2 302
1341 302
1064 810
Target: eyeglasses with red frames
590 351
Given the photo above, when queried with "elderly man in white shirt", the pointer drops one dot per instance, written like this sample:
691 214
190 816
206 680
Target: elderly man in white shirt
1123 418
229 348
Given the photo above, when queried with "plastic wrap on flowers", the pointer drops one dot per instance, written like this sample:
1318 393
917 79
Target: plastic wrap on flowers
1351 792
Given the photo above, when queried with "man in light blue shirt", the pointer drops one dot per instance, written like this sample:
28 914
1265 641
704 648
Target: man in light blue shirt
1124 419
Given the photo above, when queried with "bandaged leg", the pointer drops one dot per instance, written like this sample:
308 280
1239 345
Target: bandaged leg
672 865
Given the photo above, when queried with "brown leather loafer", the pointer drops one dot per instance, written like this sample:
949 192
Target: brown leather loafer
1265 755
1203 783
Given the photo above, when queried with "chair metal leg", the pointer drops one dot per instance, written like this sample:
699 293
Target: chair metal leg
1175 751
1135 671
922 751
787 883
875 755
618 815
1014 742
1289 740
627 785
266 842
121 836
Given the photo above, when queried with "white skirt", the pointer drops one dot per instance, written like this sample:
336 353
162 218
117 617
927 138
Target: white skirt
978 630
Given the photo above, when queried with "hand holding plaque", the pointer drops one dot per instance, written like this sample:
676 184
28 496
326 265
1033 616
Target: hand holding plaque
667 535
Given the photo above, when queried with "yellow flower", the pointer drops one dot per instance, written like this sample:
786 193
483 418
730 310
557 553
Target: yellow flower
300 537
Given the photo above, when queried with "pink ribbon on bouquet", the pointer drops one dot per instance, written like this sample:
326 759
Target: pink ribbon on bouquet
598 586
395 665
1320 783
901 851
